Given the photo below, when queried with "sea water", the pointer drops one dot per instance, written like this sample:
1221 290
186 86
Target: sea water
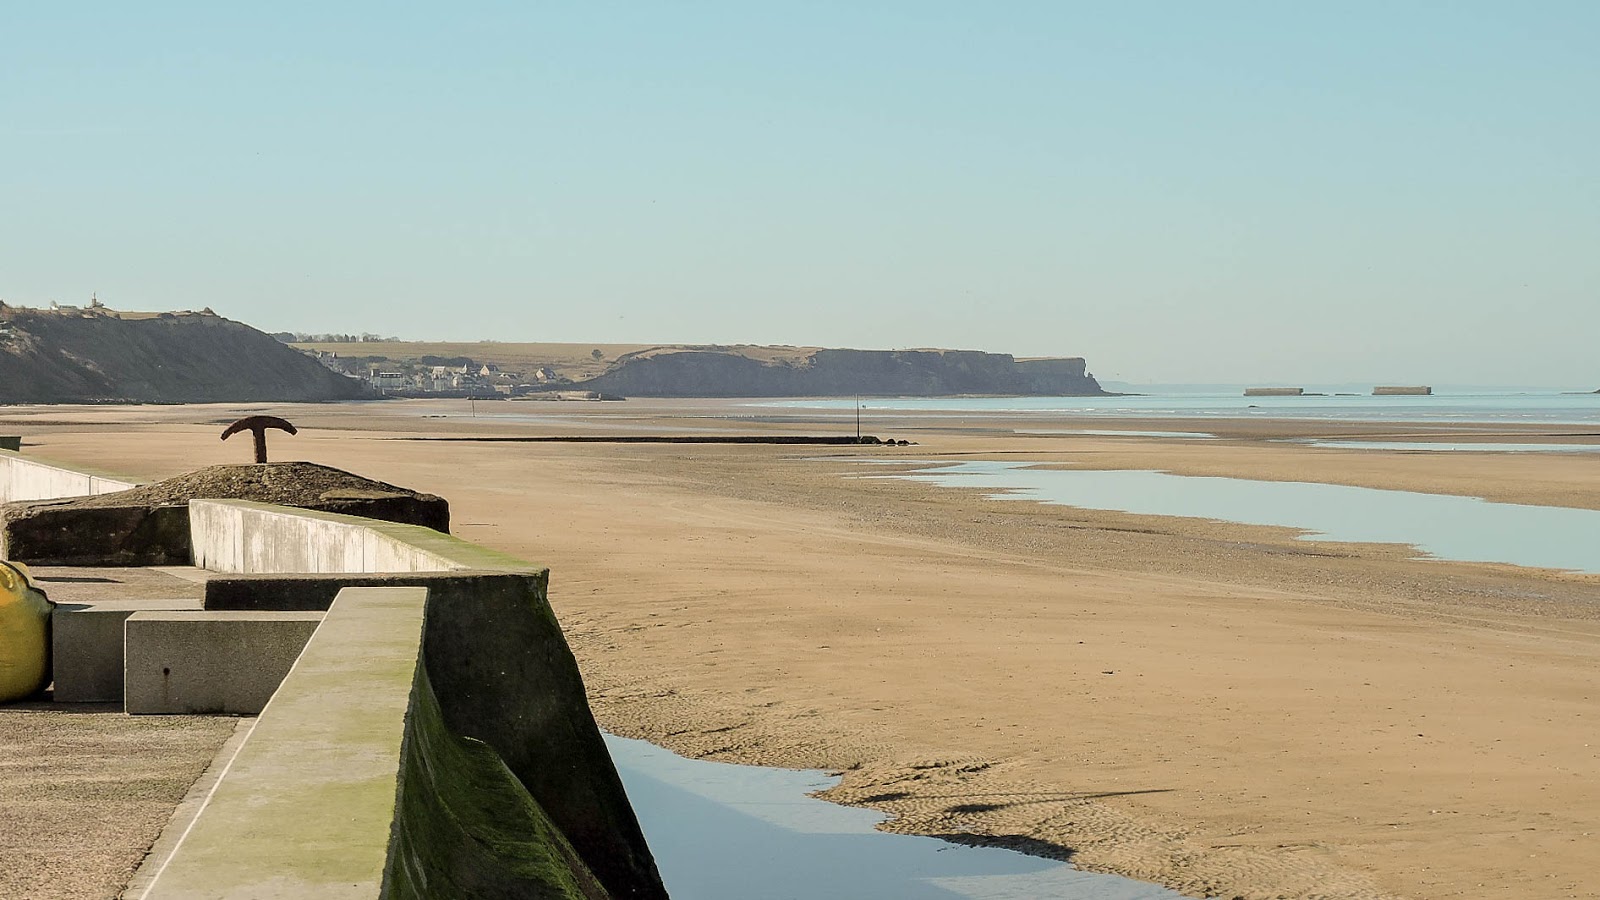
728 832
1520 408
1446 527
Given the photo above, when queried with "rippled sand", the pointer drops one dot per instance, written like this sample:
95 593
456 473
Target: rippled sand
1220 708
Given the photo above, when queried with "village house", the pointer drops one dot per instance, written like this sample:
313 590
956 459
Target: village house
386 380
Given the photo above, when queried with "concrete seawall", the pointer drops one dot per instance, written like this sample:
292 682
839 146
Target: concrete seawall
264 831
27 478
245 537
433 740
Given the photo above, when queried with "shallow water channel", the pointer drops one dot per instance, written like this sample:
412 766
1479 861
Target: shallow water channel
1445 527
728 832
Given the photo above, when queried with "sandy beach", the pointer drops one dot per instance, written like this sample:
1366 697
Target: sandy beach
1224 709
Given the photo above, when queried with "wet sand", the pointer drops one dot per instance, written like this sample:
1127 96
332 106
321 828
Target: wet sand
1220 708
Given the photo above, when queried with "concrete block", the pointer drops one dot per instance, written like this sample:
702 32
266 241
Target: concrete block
60 533
210 662
86 645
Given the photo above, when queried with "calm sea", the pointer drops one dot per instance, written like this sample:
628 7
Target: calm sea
1550 408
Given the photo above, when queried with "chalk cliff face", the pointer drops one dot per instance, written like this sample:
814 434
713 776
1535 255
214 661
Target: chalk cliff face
838 373
93 356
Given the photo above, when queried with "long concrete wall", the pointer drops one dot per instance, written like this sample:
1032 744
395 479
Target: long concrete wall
28 478
308 802
501 784
244 537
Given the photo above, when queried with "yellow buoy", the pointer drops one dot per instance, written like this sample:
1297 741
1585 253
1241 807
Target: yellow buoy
24 635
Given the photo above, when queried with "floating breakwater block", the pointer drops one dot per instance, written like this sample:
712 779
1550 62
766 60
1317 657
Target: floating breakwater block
24 635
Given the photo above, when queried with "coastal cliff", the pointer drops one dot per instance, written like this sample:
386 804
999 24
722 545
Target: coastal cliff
729 372
98 355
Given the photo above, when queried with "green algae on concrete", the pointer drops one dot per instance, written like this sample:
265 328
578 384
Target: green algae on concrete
466 827
306 807
477 774
510 793
503 675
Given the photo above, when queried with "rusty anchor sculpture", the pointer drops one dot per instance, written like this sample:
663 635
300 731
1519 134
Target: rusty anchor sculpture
257 426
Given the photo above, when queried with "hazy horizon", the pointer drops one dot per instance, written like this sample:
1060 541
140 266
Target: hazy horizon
1239 193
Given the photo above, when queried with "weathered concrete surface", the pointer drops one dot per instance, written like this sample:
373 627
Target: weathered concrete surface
60 533
31 478
149 525
352 783
241 536
86 646
84 790
491 637
503 674
209 662
73 584
188 809
309 592
513 713
307 806
466 827
314 591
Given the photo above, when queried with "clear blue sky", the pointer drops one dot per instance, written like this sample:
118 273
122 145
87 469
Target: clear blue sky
1180 191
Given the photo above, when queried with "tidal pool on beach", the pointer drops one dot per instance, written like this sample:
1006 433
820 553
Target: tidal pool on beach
730 832
1443 526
